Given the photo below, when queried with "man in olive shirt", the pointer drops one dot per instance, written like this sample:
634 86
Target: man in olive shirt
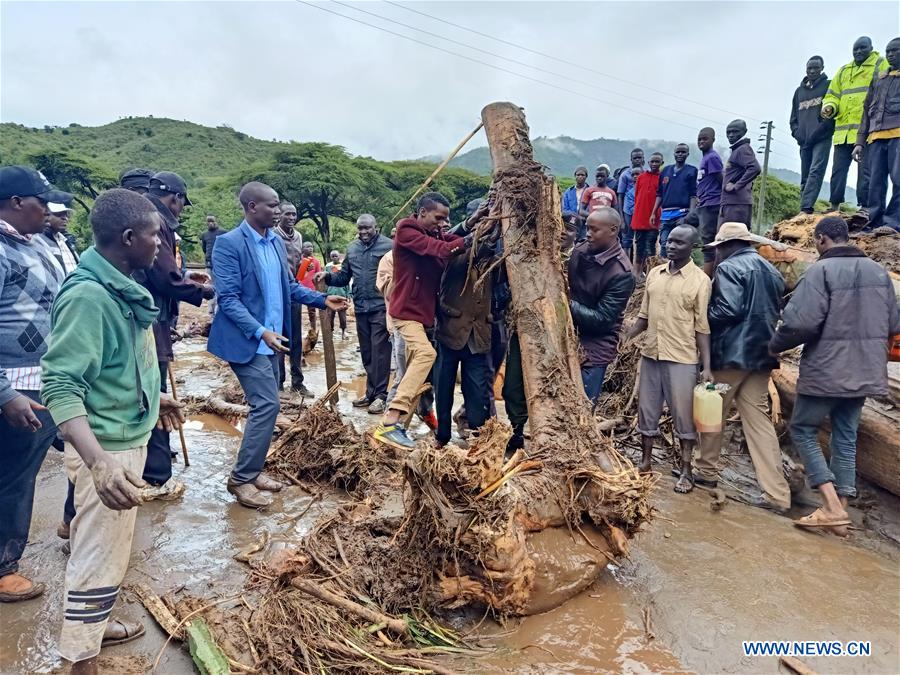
673 312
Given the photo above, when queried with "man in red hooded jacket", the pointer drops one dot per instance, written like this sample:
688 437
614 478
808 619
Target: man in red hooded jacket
420 252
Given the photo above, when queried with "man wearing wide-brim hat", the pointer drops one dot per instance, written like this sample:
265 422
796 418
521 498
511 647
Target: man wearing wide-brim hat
743 310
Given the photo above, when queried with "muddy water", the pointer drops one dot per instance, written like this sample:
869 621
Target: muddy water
706 581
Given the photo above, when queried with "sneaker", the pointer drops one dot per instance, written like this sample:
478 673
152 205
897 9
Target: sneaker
62 530
393 435
377 407
430 420
303 391
170 490
363 402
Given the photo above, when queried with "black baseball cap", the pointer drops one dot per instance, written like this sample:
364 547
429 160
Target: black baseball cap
168 181
23 181
136 178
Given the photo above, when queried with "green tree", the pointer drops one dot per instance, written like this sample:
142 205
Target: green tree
322 181
73 174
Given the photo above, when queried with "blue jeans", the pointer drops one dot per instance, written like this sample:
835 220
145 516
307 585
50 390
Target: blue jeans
259 380
883 157
592 378
475 377
813 162
21 454
626 236
809 413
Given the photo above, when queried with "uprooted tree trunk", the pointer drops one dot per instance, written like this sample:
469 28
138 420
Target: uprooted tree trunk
514 535
529 203
572 476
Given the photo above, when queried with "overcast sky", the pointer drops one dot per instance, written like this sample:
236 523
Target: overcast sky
288 70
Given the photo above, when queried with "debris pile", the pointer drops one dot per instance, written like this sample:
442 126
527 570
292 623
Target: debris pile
321 447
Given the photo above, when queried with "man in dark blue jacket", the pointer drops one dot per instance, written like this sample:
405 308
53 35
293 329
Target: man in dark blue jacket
361 265
743 310
253 325
811 131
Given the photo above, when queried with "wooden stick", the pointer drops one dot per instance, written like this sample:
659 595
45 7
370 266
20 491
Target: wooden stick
314 589
158 610
439 168
796 665
184 451
328 344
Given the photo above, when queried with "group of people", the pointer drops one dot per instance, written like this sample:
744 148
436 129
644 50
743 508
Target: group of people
431 309
858 114
653 198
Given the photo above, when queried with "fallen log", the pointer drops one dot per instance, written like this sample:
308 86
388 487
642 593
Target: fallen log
230 411
878 439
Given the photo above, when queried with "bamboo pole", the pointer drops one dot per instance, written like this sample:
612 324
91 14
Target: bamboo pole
439 168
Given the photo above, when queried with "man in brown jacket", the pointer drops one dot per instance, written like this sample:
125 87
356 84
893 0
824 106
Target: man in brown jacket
463 336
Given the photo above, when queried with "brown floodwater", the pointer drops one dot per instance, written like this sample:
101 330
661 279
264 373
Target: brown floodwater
696 585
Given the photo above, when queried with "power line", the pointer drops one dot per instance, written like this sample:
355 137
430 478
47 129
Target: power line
575 64
518 62
496 67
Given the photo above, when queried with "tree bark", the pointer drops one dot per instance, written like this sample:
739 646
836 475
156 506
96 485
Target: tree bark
557 407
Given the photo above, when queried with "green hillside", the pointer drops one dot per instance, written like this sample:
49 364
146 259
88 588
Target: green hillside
329 186
194 151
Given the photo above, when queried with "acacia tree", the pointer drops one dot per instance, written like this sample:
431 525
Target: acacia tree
73 174
323 182
78 176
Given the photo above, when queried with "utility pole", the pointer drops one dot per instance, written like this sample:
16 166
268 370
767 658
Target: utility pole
760 212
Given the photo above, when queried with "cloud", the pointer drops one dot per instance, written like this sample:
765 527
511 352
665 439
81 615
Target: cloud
286 70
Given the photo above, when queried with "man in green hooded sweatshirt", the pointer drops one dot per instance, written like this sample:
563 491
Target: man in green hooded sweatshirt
101 385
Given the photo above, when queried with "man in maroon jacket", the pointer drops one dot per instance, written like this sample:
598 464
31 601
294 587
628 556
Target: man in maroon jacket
421 250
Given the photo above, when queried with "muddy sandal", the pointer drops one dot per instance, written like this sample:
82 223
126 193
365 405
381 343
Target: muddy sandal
817 520
119 632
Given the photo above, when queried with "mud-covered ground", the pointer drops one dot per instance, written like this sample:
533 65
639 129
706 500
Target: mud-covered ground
697 584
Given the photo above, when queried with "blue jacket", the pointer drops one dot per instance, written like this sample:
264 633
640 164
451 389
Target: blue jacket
570 199
242 306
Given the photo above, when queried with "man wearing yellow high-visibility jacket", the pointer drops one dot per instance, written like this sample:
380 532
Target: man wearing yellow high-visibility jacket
844 102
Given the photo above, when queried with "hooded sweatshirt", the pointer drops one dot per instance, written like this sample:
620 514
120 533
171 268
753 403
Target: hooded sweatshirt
808 127
742 168
102 358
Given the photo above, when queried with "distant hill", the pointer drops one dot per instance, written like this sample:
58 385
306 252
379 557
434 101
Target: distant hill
216 161
563 153
193 151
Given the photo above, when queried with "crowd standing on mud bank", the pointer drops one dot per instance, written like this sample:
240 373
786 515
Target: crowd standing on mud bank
86 345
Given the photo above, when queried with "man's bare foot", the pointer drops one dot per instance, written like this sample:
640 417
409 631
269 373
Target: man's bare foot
685 484
644 466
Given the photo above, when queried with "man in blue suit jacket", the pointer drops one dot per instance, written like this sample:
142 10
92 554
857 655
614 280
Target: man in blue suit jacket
253 325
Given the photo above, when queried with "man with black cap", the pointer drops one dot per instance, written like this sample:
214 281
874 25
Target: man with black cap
136 180
167 284
29 281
